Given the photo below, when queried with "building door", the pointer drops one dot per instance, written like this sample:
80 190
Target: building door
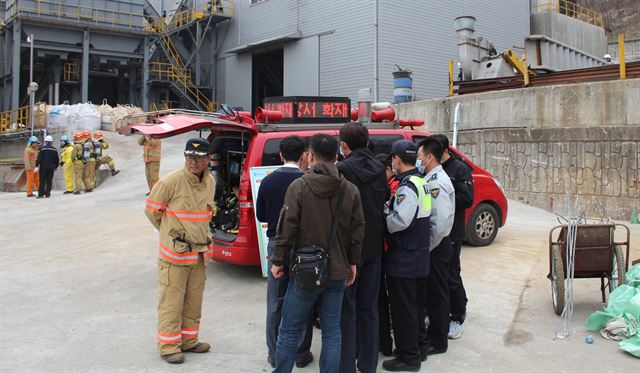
267 76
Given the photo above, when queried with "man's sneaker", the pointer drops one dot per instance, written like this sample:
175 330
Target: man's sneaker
455 330
176 358
67 192
114 172
199 348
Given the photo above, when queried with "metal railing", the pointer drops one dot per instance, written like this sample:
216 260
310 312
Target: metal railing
571 9
18 120
167 71
182 77
224 8
76 13
71 72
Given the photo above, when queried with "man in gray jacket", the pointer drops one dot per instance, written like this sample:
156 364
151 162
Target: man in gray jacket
442 213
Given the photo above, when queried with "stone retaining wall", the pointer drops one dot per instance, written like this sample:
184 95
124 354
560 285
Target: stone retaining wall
543 167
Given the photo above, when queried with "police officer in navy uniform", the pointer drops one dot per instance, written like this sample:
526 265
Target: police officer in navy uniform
406 263
442 211
460 176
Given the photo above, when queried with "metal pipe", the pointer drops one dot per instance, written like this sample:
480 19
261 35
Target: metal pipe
376 85
56 93
31 92
456 125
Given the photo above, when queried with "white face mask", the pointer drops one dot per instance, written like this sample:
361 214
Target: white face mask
420 166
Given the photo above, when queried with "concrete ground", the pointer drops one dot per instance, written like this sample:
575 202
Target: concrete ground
78 292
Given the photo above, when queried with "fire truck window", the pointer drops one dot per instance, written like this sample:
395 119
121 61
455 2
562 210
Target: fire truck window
271 153
382 143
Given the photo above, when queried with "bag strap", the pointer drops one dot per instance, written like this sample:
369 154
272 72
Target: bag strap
334 218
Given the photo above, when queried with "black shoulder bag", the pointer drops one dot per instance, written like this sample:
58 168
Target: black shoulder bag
311 263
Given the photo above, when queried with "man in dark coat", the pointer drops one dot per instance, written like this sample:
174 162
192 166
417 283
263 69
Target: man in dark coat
47 162
360 303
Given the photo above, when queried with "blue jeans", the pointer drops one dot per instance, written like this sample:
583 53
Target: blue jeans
276 289
298 304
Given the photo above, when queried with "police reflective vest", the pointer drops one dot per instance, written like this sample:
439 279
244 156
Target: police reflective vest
424 197
409 230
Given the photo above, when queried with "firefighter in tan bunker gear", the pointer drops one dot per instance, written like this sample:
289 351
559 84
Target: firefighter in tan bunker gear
99 145
152 153
77 154
90 165
180 206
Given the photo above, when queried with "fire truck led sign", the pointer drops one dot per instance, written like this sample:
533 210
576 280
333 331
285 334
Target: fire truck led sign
305 109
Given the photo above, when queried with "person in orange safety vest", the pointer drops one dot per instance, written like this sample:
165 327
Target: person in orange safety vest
30 157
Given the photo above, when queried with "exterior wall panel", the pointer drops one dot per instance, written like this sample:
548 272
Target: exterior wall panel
238 80
301 67
416 34
420 36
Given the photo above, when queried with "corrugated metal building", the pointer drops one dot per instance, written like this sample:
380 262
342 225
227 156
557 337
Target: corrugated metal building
336 47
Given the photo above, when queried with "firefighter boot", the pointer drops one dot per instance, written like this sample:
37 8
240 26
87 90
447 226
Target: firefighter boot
176 358
199 348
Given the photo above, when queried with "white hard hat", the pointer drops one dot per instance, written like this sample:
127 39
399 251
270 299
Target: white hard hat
607 56
48 138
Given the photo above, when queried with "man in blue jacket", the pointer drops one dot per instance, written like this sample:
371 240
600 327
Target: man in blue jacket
406 263
270 200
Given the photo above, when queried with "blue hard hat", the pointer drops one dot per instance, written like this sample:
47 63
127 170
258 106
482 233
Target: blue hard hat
33 139
64 138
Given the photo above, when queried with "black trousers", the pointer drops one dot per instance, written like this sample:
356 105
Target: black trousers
407 298
359 319
457 294
437 303
384 318
46 181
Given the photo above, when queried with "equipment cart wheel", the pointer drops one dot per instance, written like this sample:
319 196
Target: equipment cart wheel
618 275
557 280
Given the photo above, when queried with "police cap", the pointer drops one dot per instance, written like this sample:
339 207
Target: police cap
404 147
198 147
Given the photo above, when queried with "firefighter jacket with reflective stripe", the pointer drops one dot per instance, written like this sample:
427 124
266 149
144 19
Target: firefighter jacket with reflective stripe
408 224
180 206
152 149
67 154
30 157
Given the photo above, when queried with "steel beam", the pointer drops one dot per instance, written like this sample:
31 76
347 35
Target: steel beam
145 76
15 65
199 37
85 66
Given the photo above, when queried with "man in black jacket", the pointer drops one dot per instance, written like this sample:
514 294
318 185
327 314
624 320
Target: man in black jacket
462 181
47 162
360 302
